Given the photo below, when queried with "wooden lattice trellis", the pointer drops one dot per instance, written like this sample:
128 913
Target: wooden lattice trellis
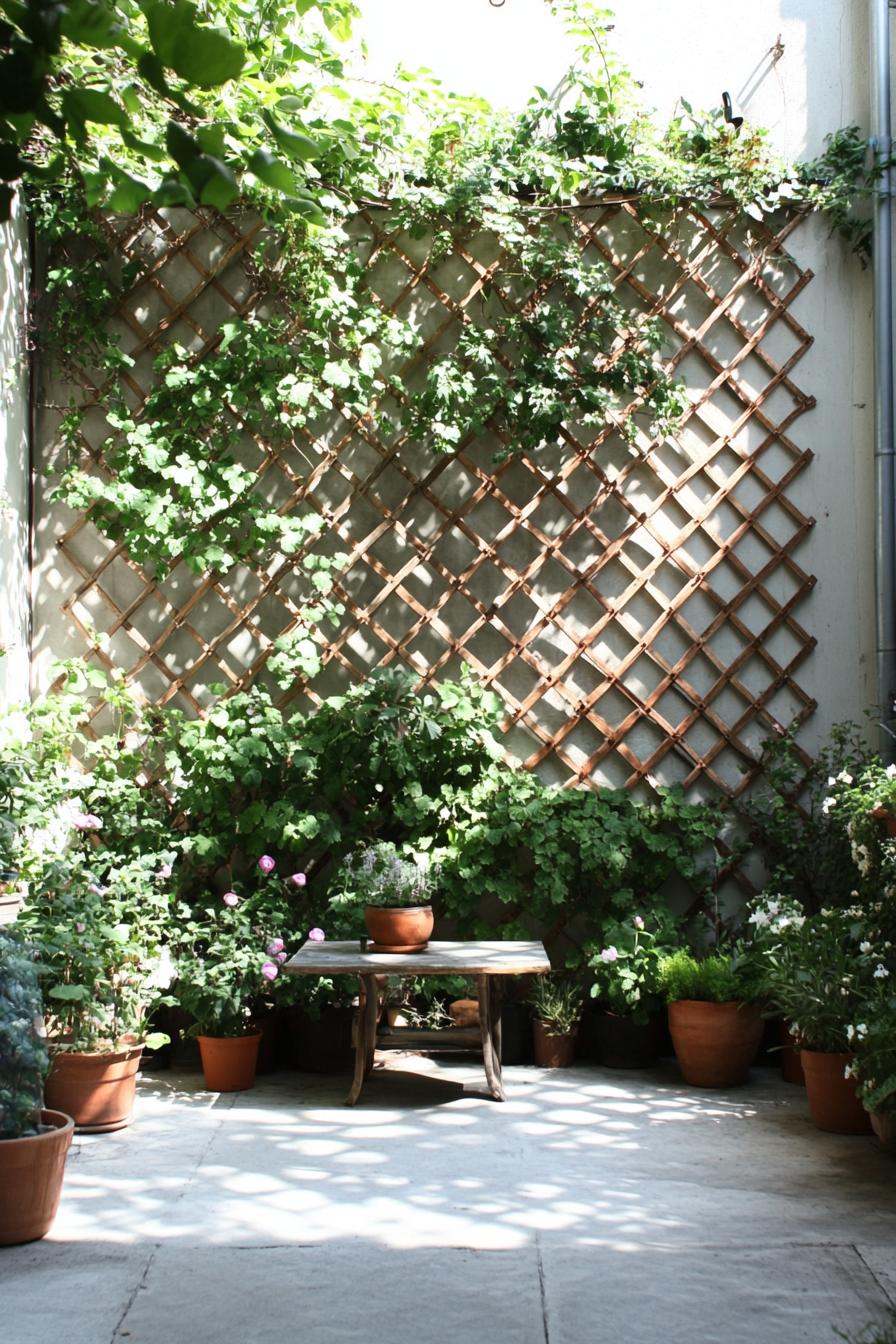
634 606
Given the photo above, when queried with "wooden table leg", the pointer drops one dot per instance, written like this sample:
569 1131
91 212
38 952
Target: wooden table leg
365 1039
490 1026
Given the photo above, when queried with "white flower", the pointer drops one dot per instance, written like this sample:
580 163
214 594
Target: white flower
861 1030
865 947
828 804
161 971
847 1072
759 918
844 778
881 972
890 771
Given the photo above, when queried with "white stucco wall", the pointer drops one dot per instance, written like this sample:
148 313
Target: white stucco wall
14 463
815 82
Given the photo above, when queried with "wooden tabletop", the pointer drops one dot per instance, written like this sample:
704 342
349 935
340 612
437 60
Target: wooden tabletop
346 958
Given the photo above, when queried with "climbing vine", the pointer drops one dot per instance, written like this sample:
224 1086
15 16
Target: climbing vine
547 343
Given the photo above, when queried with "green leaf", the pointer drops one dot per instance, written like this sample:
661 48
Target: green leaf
295 144
272 171
203 56
83 105
69 993
93 24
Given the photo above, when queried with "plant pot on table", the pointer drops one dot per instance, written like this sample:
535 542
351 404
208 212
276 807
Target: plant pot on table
399 928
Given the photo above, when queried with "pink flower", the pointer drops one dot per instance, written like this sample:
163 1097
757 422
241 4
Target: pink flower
281 956
638 922
267 864
609 954
275 945
86 821
79 928
316 935
164 871
230 898
270 970
298 879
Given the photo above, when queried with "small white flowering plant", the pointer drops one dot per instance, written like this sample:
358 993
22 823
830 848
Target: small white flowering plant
626 963
819 970
873 1038
863 806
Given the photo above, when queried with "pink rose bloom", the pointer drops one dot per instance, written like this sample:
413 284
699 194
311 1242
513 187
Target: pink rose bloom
275 945
230 898
281 956
298 879
267 864
638 922
86 821
609 954
316 935
270 970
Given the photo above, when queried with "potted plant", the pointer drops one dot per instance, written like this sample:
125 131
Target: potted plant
820 978
395 893
714 1018
626 986
556 1013
874 1041
776 919
103 972
33 1140
228 951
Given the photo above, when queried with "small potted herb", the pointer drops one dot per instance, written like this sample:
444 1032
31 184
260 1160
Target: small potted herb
395 893
714 1016
33 1140
556 1012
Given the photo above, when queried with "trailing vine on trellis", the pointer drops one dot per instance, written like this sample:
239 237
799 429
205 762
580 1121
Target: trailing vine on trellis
549 342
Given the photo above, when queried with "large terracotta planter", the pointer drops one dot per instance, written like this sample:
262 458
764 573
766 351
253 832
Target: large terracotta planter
228 1062
552 1052
96 1088
791 1063
31 1172
394 929
884 1125
715 1043
833 1103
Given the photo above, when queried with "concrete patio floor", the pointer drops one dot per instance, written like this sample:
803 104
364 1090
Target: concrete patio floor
593 1205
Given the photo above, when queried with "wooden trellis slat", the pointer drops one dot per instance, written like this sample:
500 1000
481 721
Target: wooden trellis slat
580 540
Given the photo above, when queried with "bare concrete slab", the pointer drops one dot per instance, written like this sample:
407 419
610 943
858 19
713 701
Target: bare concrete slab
592 1205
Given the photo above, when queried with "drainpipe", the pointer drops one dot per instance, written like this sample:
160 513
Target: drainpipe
885 473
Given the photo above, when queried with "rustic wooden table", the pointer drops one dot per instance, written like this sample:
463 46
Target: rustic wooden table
488 962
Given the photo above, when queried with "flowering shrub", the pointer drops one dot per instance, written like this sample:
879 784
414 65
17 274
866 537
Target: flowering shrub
874 1040
626 968
820 971
863 807
227 956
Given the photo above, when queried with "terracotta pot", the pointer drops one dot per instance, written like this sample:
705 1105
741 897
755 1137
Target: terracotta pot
888 818
464 1012
715 1043
552 1052
228 1062
97 1088
31 1172
624 1044
399 930
791 1064
884 1125
833 1103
